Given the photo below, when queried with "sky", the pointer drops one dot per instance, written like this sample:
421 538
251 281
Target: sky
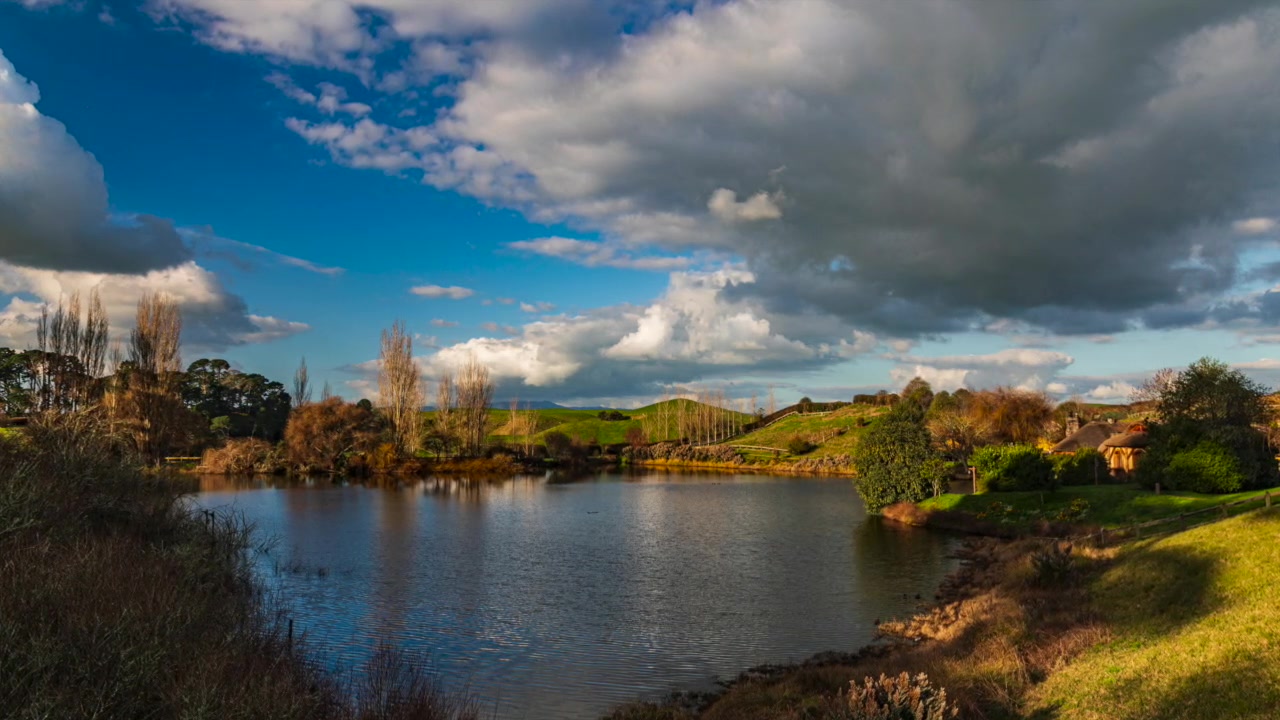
609 201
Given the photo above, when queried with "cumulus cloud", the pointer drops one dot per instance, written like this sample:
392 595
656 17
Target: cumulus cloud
1115 391
944 165
694 333
452 292
537 307
724 205
53 199
213 318
1025 368
597 254
57 237
442 323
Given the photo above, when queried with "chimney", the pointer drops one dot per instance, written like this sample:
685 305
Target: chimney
1073 424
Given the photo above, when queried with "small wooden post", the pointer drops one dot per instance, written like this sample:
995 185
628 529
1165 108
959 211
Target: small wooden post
1267 498
973 476
1157 488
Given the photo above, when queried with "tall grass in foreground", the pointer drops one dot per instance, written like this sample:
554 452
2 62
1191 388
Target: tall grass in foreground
119 601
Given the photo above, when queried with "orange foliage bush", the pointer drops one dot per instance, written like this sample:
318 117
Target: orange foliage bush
321 437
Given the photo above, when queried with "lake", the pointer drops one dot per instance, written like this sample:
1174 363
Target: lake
554 600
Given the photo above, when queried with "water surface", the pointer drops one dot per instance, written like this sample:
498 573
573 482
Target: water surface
563 599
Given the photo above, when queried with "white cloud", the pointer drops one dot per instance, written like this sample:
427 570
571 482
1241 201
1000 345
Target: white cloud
494 327
538 307
1254 226
442 323
725 206
213 318
1261 364
597 254
994 151
452 292
270 328
331 100
1025 368
1117 390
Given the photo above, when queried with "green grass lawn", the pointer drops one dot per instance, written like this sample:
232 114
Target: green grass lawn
1196 631
1109 505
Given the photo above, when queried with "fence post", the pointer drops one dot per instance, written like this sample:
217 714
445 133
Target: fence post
1268 498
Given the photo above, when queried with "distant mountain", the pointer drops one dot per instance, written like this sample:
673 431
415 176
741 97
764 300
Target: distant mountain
528 405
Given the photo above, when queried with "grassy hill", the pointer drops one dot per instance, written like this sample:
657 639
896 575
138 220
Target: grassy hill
822 430
1196 627
586 425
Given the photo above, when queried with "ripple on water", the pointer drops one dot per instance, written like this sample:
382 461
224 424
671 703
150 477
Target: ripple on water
561 601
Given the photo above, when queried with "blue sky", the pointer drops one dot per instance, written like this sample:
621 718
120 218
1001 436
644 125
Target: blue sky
609 201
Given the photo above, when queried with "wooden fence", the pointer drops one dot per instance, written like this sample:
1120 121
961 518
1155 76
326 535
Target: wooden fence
1178 522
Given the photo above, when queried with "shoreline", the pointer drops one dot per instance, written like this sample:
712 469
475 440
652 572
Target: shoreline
972 577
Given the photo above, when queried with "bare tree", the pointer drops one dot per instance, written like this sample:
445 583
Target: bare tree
148 404
301 385
522 425
772 407
475 393
71 354
326 392
400 388
446 400
1155 386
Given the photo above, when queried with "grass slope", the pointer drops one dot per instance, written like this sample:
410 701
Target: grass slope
1196 622
815 428
1109 505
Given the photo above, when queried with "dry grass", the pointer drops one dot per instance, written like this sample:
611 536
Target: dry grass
995 633
118 601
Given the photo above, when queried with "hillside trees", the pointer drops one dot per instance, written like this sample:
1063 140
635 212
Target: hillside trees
236 404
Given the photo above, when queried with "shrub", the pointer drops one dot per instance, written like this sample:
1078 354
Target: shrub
122 600
1083 467
636 436
243 456
799 445
1052 565
1006 468
1073 512
324 436
559 445
1207 468
899 698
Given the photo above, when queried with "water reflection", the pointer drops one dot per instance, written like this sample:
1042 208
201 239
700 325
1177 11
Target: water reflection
559 597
